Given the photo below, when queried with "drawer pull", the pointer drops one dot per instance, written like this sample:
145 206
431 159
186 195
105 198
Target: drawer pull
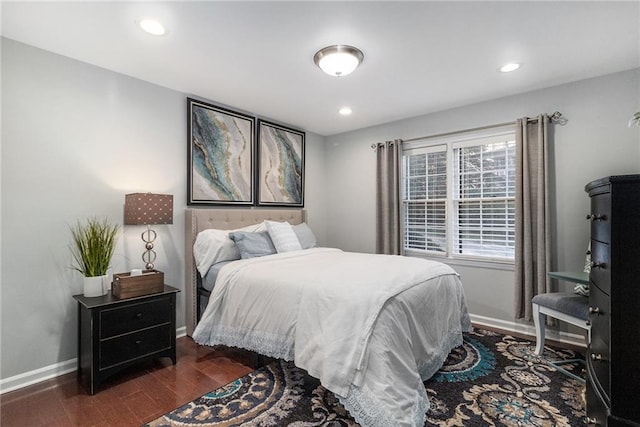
138 315
138 342
595 310
592 421
598 357
602 265
596 217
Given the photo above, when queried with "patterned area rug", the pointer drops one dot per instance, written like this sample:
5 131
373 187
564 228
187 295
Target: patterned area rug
492 379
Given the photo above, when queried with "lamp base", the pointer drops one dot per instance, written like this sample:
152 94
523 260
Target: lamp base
149 256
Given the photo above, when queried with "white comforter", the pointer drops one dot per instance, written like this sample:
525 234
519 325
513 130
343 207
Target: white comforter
370 327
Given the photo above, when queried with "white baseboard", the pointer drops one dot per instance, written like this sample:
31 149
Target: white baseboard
512 326
37 375
46 373
181 332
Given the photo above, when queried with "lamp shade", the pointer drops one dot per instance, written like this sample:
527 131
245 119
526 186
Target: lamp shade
148 208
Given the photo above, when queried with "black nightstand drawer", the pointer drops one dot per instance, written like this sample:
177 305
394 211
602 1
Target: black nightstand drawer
132 346
121 320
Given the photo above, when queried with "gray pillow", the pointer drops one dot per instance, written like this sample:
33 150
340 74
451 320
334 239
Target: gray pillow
305 236
252 245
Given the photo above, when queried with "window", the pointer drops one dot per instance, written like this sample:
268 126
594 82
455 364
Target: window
459 197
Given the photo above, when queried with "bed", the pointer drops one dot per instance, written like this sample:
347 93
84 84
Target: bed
370 327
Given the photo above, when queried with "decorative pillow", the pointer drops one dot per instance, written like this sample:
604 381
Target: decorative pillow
305 236
581 289
283 236
252 245
213 246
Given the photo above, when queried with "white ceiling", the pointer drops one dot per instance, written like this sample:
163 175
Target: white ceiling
420 57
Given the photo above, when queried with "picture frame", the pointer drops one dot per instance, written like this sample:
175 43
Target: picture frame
280 165
221 155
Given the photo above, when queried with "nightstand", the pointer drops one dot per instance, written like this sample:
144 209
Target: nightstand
116 333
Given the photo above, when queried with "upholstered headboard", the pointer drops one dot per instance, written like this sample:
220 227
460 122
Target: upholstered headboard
197 220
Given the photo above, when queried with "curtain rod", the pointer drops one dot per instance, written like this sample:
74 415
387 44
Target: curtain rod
555 117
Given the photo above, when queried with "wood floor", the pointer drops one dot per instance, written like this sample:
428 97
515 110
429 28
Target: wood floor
131 398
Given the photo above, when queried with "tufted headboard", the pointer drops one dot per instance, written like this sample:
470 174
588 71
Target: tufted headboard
197 220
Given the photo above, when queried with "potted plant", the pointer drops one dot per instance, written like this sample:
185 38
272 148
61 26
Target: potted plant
92 249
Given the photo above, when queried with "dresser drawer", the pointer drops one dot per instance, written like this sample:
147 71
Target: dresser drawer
601 265
600 217
600 361
121 320
131 346
599 313
599 354
596 407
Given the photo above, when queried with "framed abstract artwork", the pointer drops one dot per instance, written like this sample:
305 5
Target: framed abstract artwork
221 147
280 165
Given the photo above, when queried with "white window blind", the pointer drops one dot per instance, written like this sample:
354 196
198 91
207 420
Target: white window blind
459 198
425 199
484 197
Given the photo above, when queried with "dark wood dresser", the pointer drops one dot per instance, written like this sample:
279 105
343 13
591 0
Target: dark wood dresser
115 333
613 356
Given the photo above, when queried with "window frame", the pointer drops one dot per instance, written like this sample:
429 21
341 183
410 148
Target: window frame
452 141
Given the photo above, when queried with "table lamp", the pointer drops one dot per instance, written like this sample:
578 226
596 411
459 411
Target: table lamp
148 209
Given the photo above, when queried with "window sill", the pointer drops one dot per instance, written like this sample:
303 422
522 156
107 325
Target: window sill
466 262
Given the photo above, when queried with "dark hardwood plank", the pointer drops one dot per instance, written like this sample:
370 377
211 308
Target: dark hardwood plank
133 397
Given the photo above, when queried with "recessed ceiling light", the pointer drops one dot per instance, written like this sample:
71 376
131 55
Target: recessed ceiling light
338 60
345 111
511 66
152 26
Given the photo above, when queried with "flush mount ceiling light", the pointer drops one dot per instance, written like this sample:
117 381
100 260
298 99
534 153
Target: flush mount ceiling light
152 26
345 111
338 60
511 66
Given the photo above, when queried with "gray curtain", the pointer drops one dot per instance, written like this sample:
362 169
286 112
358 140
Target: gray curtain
532 251
388 226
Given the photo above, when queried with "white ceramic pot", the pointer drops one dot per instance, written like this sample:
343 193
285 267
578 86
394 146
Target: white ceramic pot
96 286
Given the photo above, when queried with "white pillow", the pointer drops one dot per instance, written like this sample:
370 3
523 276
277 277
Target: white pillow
213 246
283 236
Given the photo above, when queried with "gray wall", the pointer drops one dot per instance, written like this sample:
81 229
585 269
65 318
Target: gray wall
75 139
595 142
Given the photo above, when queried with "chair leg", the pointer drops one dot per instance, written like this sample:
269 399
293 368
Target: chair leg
539 320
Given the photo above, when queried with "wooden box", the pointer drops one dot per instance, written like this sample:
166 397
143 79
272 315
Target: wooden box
127 286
